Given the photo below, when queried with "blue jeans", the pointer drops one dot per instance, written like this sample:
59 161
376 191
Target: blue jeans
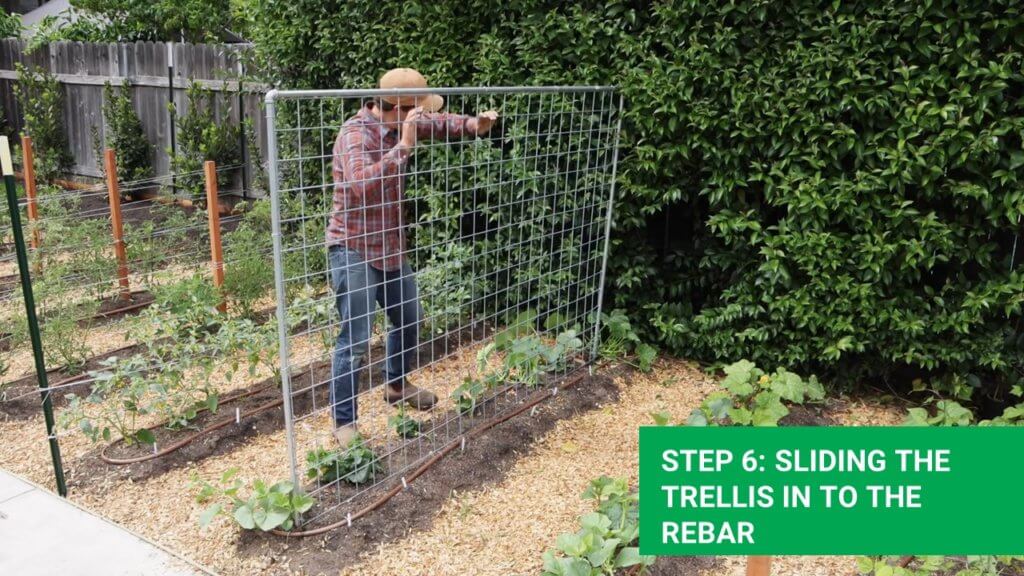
358 287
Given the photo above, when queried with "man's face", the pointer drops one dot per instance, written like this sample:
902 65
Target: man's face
392 114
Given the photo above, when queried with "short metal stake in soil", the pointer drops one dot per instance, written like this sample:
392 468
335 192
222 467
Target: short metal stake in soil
759 565
114 193
213 214
30 312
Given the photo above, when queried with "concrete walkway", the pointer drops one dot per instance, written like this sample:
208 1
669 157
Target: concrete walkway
43 534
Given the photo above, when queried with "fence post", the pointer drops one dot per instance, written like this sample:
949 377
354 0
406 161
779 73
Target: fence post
114 193
29 174
172 115
213 214
30 312
759 565
243 140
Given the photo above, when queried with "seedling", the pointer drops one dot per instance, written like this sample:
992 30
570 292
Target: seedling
267 507
356 464
403 425
469 394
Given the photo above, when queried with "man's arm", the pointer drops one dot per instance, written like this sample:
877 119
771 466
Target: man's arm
359 171
444 125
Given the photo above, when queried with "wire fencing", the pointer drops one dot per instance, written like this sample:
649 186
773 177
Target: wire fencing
151 321
424 289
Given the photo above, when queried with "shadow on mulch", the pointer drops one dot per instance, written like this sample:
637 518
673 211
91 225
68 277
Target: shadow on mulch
486 460
682 565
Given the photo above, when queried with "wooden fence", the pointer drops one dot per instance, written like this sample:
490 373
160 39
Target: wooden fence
155 72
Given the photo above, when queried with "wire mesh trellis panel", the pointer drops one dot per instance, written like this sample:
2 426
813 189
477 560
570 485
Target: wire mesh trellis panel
469 265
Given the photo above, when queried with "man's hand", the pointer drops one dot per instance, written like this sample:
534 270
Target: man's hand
409 126
484 121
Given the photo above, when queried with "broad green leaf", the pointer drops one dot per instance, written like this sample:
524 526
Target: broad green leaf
740 416
244 516
660 418
207 515
697 418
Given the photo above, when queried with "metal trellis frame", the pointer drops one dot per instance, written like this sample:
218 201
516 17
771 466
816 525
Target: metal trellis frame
470 265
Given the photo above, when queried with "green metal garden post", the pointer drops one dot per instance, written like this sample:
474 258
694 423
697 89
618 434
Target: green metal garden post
30 311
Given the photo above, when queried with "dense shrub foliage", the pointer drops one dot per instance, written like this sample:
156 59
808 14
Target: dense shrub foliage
828 186
10 24
136 20
125 135
202 137
41 99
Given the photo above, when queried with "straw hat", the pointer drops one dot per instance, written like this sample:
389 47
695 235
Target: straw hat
409 78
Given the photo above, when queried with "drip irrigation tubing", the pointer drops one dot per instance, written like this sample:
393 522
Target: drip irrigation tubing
179 444
456 442
71 379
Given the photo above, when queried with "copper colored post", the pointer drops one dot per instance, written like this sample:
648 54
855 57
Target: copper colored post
110 163
213 213
29 175
759 565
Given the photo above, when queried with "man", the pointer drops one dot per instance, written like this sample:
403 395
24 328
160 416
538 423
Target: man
366 238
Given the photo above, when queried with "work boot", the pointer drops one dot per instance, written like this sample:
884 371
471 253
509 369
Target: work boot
402 391
346 434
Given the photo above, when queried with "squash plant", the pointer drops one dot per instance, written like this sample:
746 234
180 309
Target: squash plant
607 539
621 341
267 507
404 425
752 397
944 565
356 464
526 359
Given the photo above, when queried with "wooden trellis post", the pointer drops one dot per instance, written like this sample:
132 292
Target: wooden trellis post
213 214
759 565
29 175
114 193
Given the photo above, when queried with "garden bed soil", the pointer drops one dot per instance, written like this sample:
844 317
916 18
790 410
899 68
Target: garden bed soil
808 415
90 468
20 398
485 461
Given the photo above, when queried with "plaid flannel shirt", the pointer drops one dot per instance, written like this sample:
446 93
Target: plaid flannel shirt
369 183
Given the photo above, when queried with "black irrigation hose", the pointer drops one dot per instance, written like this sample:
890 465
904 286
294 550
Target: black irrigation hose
537 399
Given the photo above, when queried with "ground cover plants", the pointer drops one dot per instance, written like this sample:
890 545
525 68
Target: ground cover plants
751 397
606 542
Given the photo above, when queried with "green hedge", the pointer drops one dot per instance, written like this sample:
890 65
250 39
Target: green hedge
829 186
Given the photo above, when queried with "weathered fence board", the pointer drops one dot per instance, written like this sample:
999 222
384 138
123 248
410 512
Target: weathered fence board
84 68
